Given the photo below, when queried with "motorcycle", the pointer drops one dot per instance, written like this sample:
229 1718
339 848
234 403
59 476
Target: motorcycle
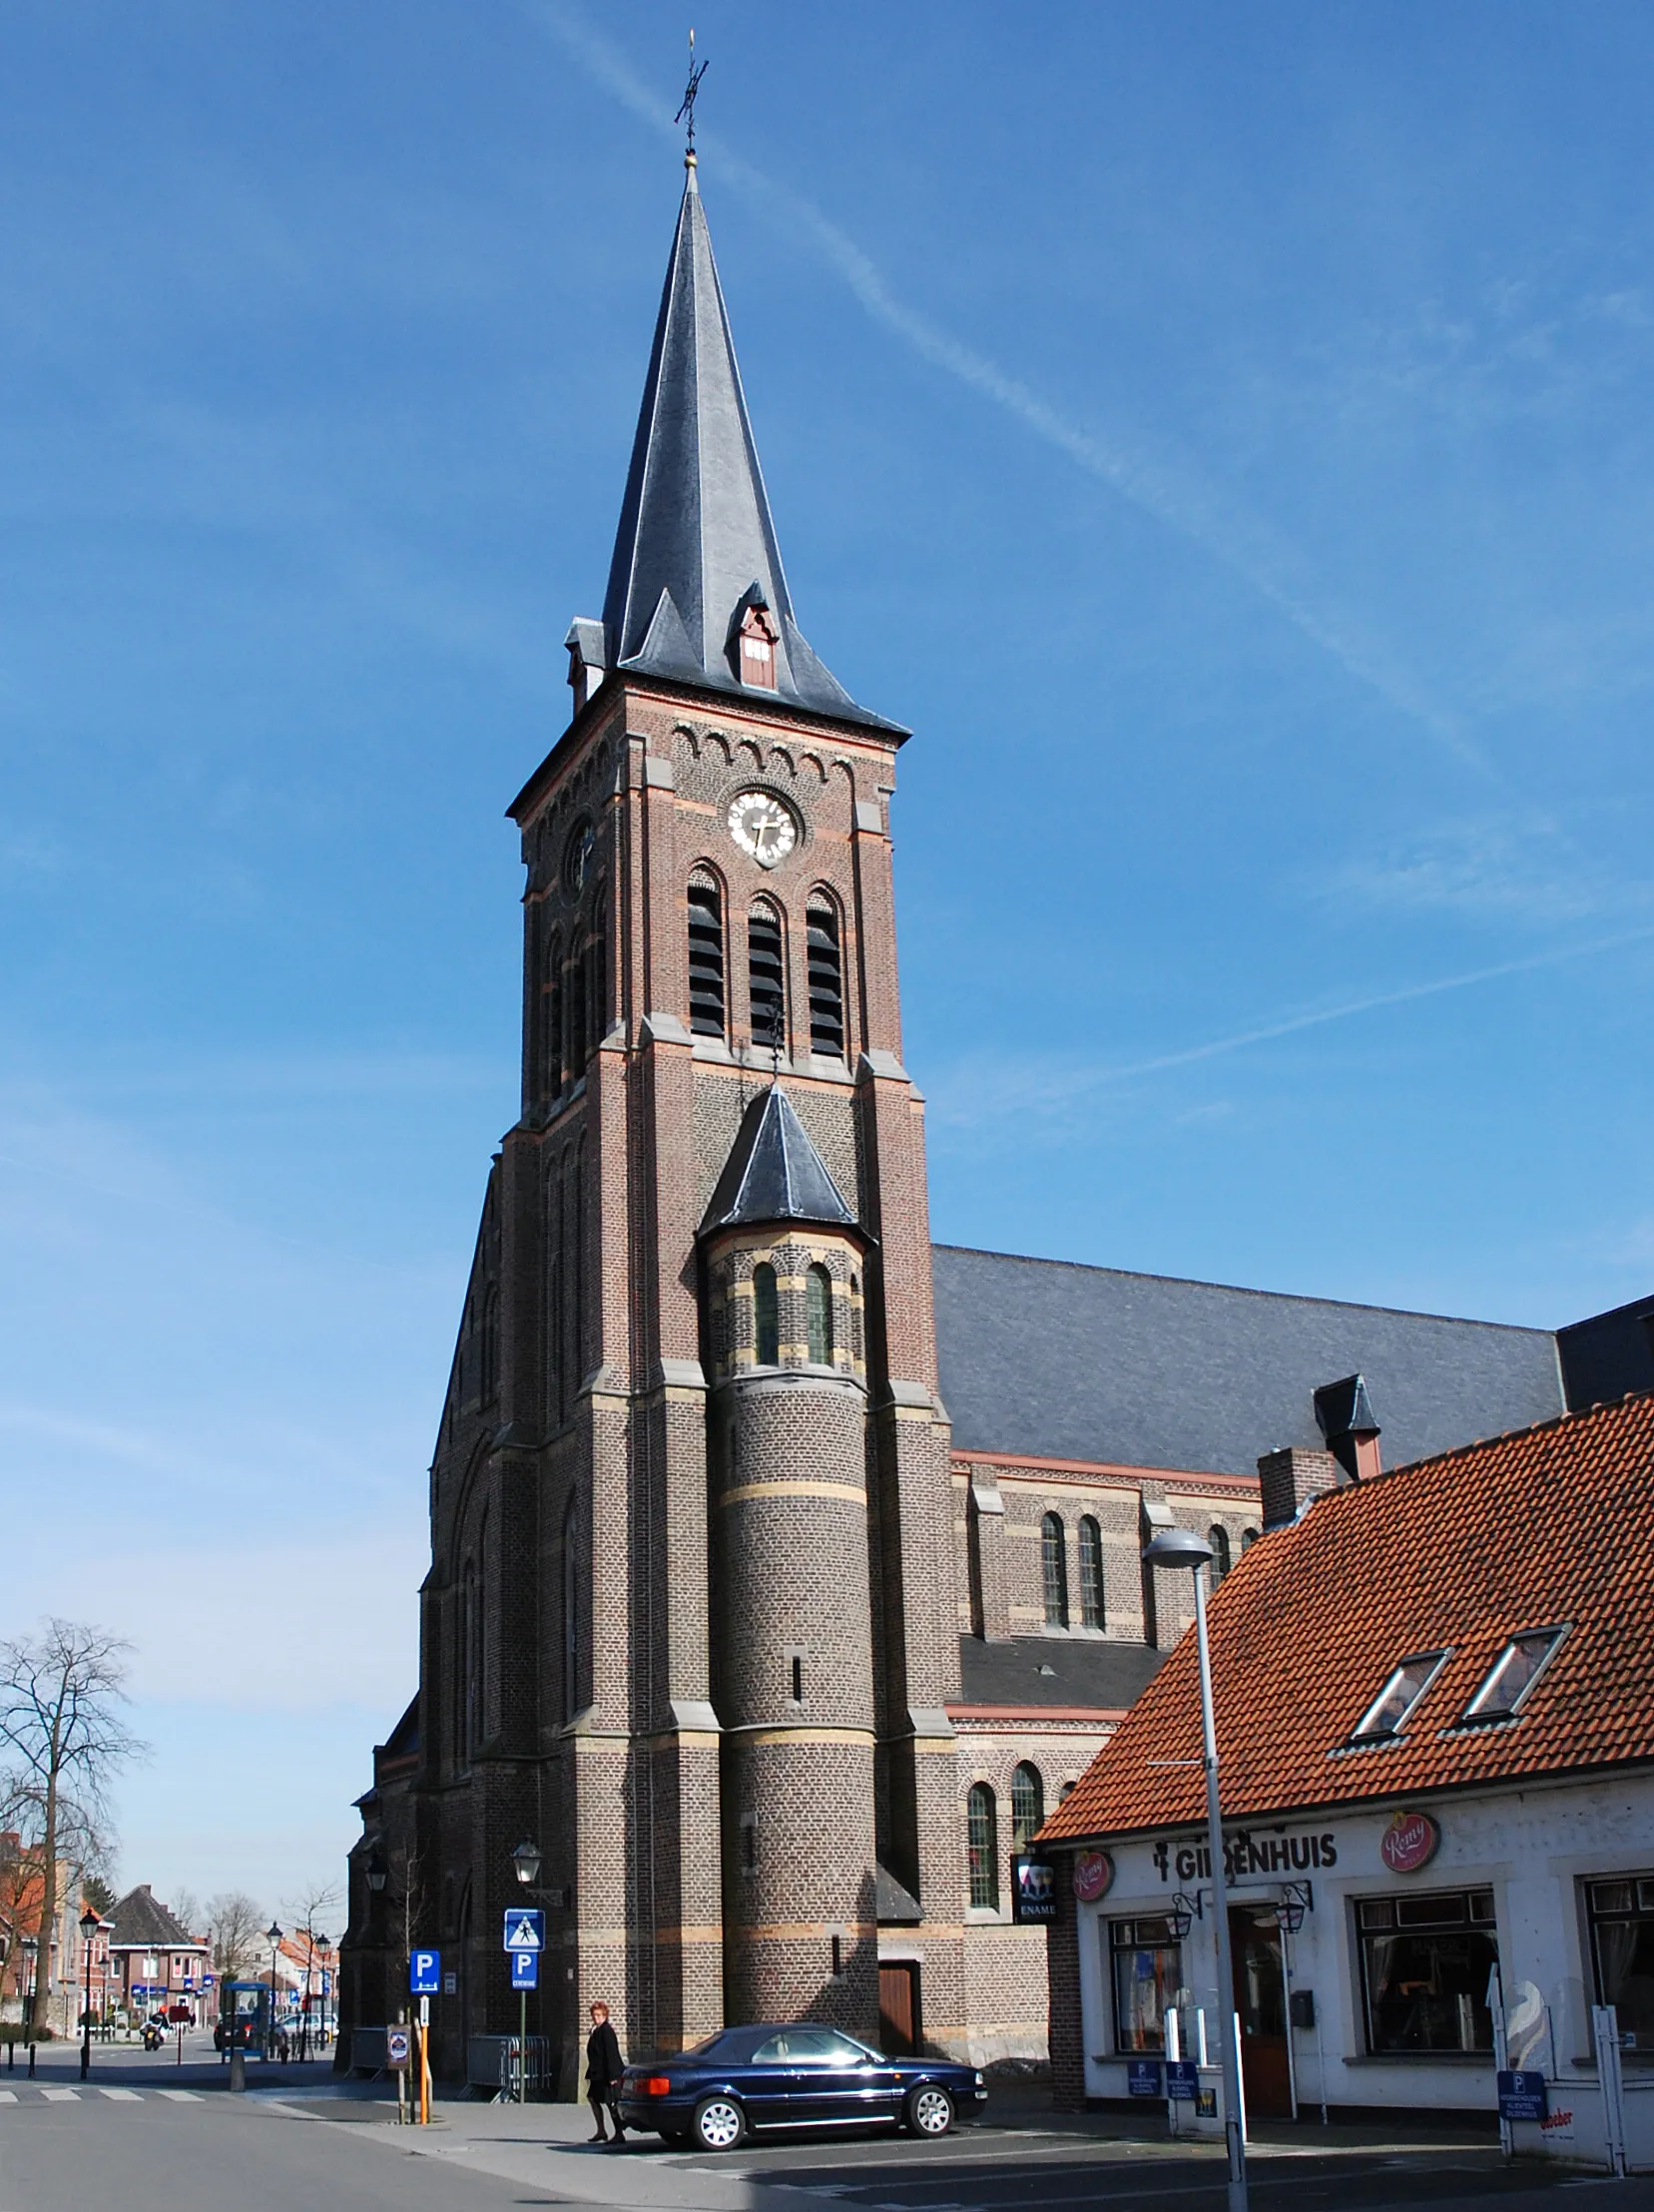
153 2035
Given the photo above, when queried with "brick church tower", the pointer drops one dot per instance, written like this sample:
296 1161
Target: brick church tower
691 1624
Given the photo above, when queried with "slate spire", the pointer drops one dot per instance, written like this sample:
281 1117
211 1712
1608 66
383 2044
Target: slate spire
773 1173
697 545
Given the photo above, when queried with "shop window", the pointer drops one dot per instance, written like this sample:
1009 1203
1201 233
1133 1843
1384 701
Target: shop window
1394 1703
1053 1560
982 1847
706 959
1218 1537
827 979
1091 1574
1425 1963
1622 1953
1146 1964
818 1291
1513 1674
1027 1805
765 1315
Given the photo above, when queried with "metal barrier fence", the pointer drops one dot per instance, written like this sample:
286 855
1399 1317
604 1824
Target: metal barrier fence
528 2067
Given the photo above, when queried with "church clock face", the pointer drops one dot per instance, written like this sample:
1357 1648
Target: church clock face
762 827
577 860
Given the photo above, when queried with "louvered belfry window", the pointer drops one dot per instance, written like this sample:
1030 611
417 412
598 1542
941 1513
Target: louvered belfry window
767 978
706 960
827 980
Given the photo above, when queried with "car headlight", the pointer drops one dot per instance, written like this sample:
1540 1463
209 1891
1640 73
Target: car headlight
982 2082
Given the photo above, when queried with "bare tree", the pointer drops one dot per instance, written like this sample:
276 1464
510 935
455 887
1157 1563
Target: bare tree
234 1929
318 1899
186 1909
60 1693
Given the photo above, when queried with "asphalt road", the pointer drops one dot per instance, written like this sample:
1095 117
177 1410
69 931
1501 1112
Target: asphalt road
152 2138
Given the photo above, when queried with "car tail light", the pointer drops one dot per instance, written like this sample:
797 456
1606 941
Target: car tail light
657 2086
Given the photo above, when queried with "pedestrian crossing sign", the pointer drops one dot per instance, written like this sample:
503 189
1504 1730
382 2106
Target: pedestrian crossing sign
524 1927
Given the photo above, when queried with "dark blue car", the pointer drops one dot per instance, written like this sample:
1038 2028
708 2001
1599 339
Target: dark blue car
770 2076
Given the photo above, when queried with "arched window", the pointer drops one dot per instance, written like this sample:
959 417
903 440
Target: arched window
571 1609
706 959
1249 1536
765 1315
982 1845
574 995
1218 1537
470 1631
826 978
1053 1560
597 988
552 1017
1027 1805
1091 1574
819 1315
766 977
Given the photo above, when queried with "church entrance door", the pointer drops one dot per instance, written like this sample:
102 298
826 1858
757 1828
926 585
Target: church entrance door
898 2008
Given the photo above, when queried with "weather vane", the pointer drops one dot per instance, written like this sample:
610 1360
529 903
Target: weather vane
686 114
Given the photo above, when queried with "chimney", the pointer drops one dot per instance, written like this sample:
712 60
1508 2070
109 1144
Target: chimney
1345 1412
1289 1477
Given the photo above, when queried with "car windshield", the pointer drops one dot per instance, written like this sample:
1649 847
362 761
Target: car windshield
810 2046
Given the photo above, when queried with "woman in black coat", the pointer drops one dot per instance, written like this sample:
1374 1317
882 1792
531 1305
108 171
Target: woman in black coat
604 2070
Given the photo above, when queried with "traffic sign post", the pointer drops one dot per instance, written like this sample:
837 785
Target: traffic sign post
424 1979
525 1938
425 1974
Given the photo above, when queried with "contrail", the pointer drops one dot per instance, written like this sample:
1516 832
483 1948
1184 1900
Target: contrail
1181 508
1063 1088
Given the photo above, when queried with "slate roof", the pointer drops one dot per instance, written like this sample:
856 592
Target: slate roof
142 1922
1026 1671
775 1173
1059 1361
1609 1355
1538 1530
695 533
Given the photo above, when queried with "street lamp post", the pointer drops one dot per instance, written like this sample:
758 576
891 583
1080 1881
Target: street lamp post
89 1928
273 1936
1181 1547
525 1865
31 1969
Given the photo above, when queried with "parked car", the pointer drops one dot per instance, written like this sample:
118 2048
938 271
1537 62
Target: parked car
794 2077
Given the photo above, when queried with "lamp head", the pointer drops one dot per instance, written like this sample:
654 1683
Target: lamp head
1178 1547
273 1933
89 1924
378 1873
525 1863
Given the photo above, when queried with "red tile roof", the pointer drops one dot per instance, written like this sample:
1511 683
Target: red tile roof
1549 1525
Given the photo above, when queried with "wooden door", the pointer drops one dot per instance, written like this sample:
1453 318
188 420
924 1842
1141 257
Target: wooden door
898 2008
1261 2001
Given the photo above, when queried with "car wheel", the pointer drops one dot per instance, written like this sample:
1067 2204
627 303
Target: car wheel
718 2123
929 2111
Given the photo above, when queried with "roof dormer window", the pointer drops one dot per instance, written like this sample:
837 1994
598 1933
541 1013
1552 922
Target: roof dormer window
1513 1674
756 642
1394 1706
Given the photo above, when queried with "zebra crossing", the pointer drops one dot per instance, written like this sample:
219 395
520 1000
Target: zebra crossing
91 2093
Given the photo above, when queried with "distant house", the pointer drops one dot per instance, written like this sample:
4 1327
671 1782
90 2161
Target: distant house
157 1959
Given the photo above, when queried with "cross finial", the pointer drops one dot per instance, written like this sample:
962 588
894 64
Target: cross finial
686 114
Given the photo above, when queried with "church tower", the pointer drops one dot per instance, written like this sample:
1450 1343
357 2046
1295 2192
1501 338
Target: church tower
691 1624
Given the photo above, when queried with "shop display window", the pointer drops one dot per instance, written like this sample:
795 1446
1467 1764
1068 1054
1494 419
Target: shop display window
1146 1963
1622 1952
1425 1963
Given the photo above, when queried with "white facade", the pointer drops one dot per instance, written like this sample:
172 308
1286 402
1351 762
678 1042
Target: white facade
1396 1964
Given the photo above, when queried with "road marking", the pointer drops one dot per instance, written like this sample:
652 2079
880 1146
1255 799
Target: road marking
8 2096
182 2096
121 2096
61 2096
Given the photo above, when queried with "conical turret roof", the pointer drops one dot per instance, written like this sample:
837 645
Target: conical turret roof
697 545
773 1173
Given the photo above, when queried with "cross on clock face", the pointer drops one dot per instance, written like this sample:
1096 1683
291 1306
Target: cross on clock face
762 827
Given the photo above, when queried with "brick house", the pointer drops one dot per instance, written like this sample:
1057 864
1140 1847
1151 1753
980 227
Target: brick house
1442 1771
157 1960
783 1568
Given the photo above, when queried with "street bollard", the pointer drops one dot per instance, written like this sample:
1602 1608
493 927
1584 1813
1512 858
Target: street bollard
31 2061
238 2071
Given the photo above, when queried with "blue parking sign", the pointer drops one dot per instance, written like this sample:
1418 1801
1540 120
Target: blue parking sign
425 1974
525 1970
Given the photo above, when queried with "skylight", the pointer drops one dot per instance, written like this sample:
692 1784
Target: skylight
1513 1675
1393 1704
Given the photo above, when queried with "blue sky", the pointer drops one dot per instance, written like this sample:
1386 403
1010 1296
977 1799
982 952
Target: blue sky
1220 433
